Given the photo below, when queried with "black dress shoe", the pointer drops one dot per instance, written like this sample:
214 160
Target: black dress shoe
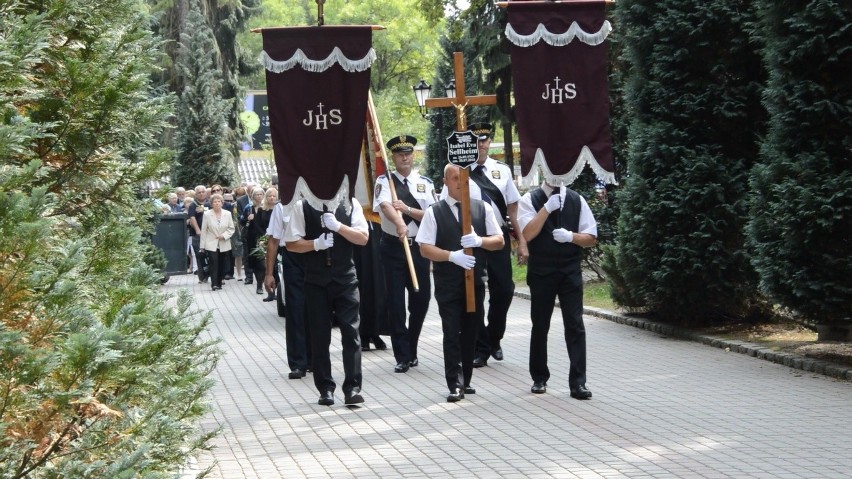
401 367
248 281
539 387
455 396
469 390
480 361
228 276
269 297
497 353
296 374
414 363
326 399
580 392
379 344
353 397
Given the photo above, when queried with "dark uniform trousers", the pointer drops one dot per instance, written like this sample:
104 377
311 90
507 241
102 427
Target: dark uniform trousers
501 289
459 326
295 327
331 293
398 281
544 289
554 271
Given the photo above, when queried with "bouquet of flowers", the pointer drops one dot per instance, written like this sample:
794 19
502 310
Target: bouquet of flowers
260 250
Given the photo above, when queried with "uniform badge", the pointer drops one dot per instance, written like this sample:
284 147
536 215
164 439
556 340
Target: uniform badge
378 189
495 174
421 188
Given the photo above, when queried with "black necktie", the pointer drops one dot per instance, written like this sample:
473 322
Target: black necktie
405 183
480 170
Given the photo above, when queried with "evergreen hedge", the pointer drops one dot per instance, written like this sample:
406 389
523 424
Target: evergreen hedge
101 376
800 232
693 81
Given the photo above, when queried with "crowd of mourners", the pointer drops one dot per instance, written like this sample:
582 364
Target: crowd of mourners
226 231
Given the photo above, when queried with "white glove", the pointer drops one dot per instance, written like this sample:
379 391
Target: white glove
323 242
562 235
471 240
553 203
464 260
330 222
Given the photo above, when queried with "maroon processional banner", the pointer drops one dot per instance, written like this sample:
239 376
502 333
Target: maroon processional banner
559 69
317 81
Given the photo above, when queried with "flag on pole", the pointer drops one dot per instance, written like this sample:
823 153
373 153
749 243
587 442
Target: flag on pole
559 69
317 82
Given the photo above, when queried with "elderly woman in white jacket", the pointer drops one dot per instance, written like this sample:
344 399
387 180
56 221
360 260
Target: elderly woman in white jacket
217 227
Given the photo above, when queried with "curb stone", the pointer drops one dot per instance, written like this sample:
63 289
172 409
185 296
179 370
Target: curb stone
817 366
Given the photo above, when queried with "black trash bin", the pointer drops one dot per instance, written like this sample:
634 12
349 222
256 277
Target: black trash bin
170 236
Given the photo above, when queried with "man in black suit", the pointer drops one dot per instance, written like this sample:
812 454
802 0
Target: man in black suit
557 224
242 201
441 241
324 241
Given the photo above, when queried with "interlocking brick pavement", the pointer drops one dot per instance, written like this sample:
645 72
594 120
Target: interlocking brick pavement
662 407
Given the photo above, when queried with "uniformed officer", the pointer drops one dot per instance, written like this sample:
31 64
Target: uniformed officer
441 240
492 181
331 289
557 225
400 221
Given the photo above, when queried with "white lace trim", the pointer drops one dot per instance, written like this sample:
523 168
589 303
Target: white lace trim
586 158
303 192
558 39
317 66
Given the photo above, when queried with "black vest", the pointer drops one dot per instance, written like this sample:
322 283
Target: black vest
547 254
449 277
315 263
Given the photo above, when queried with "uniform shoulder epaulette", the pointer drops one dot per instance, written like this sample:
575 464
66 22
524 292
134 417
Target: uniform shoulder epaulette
426 178
500 163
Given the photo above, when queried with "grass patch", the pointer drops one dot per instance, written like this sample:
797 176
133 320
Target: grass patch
595 294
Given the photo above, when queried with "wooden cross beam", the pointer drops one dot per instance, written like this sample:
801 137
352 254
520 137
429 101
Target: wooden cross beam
460 101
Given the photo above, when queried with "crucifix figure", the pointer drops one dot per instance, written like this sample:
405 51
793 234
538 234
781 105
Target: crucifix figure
460 101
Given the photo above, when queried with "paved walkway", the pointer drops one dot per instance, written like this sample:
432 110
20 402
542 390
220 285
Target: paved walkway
662 407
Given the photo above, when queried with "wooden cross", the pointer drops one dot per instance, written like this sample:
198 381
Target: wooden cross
460 102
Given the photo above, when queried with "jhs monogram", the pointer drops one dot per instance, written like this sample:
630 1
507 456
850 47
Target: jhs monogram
557 93
322 120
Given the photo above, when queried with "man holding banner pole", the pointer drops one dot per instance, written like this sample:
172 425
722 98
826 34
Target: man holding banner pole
325 242
401 199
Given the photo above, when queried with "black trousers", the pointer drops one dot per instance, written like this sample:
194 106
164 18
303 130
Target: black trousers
298 336
544 289
397 282
201 259
459 329
218 261
501 289
322 303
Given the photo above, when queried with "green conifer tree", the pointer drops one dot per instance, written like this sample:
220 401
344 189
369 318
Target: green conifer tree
800 231
692 94
203 156
101 376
